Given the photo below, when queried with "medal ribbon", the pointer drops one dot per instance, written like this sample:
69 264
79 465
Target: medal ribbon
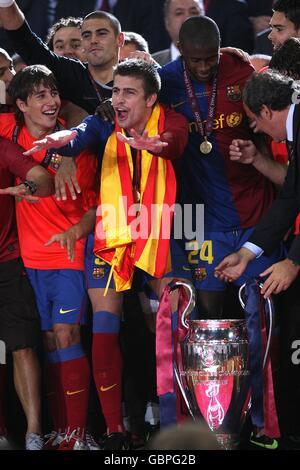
207 130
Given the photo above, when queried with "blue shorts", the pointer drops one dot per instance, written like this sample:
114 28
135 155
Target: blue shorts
60 295
216 246
97 270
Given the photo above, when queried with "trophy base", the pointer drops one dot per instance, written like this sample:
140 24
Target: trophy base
228 441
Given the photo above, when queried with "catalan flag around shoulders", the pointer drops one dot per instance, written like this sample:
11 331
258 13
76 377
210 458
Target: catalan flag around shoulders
127 234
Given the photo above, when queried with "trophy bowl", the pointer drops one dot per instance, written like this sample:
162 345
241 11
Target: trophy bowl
214 375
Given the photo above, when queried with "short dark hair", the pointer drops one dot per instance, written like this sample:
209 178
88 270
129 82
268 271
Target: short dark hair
69 22
140 69
268 88
24 83
291 9
134 38
286 59
103 15
199 30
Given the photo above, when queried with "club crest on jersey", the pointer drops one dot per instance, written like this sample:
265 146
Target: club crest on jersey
234 119
200 274
98 273
233 92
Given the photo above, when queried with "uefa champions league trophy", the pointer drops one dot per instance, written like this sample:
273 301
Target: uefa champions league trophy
213 373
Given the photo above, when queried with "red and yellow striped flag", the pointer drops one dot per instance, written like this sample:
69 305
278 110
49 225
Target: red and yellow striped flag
123 238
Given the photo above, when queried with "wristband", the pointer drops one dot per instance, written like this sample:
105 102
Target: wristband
6 3
31 186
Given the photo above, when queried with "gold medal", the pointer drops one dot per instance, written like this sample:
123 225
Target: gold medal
205 147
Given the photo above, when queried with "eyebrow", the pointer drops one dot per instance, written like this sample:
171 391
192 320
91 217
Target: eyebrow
96 31
124 89
61 41
277 25
36 93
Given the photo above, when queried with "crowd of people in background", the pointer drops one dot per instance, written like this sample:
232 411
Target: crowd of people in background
182 102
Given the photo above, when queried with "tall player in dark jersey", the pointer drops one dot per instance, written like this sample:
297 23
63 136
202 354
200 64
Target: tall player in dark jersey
206 86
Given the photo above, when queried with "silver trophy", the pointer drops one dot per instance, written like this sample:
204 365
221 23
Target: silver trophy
213 375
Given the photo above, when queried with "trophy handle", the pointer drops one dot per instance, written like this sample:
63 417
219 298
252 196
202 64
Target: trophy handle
191 304
271 316
182 389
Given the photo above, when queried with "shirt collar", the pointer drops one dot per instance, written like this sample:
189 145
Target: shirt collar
289 123
174 52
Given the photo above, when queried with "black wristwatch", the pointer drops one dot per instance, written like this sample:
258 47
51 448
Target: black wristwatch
31 186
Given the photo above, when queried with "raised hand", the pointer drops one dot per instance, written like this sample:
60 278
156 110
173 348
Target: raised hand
55 140
143 141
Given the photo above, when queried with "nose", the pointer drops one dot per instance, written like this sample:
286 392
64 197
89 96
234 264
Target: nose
270 35
94 38
69 52
203 68
52 99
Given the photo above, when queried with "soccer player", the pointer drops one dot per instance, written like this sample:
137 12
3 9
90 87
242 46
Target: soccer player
285 22
206 87
19 327
101 40
51 236
144 176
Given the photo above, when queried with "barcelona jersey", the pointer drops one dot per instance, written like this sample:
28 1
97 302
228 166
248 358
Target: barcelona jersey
234 195
38 222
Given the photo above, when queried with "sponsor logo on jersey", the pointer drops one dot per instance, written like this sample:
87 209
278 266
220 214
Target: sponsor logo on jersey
234 119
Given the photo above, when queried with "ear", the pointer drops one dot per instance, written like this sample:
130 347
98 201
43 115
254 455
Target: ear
121 40
266 112
21 105
151 100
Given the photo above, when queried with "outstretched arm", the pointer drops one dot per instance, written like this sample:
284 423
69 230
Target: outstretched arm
38 183
56 140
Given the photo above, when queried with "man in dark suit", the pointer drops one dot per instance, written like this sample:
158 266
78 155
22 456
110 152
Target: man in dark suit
270 99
